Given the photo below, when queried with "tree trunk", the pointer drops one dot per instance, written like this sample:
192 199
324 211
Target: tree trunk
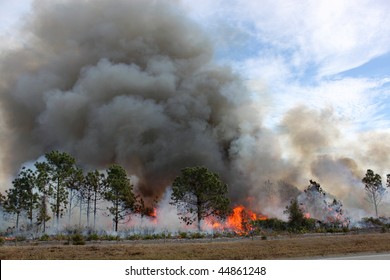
30 213
58 205
17 222
88 209
375 202
81 210
94 212
44 213
116 215
70 205
199 205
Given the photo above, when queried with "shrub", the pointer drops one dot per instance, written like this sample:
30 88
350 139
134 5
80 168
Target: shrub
93 237
149 236
78 239
183 234
134 237
166 235
270 224
2 241
20 238
197 235
44 237
111 237
60 237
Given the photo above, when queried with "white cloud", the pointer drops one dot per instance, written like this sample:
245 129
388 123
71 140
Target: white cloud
334 35
301 47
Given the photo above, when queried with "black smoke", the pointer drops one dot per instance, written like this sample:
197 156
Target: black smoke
131 82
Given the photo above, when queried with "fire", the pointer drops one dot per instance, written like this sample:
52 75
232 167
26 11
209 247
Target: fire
240 218
307 215
238 221
153 214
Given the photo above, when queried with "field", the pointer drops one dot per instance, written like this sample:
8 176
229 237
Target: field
282 247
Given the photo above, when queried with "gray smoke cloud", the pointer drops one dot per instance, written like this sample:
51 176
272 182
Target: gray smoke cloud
134 82
131 82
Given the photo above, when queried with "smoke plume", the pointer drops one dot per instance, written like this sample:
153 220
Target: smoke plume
131 82
134 82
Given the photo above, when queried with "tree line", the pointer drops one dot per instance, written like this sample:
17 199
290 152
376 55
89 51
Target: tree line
56 186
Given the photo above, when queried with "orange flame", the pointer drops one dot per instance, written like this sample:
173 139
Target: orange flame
238 221
153 214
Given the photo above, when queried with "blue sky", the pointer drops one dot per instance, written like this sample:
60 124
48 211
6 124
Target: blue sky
322 54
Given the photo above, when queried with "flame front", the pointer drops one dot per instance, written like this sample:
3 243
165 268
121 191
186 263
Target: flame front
238 221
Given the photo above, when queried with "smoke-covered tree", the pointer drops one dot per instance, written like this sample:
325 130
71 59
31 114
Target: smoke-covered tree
45 191
2 199
199 193
118 191
92 191
313 201
74 185
22 197
14 204
27 182
59 167
388 181
325 208
374 189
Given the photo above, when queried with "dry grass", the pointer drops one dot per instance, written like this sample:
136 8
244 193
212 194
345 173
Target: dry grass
282 248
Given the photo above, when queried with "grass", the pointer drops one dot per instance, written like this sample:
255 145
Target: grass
235 248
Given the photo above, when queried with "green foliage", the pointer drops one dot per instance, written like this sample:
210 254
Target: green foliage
166 235
2 241
93 237
22 197
20 238
110 237
134 237
376 222
119 192
296 219
44 237
295 215
197 235
91 191
77 239
199 193
74 183
270 224
309 224
183 235
42 181
60 237
54 176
